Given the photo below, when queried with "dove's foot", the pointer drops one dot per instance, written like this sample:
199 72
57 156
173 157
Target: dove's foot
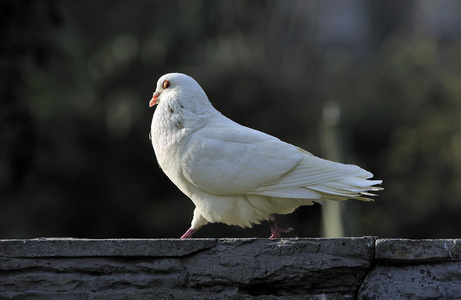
275 231
188 233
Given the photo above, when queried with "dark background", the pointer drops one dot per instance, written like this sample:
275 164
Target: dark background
76 78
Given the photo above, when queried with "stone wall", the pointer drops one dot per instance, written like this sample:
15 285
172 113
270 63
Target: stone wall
343 268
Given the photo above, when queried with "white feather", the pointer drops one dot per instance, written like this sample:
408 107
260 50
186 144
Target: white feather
237 175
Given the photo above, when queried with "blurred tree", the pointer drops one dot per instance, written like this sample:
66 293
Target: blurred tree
25 42
75 159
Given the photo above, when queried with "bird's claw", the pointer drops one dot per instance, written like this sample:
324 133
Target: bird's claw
276 232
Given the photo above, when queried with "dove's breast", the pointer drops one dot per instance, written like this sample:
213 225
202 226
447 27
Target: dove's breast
171 130
167 140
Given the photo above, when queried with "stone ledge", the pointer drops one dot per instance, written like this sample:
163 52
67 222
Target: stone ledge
339 268
72 247
399 250
414 269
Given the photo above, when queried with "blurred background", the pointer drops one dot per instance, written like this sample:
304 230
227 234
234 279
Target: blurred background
374 83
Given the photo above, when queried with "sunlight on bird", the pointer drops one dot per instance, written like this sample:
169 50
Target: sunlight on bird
237 175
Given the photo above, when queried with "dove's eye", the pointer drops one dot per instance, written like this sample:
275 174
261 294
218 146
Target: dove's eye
166 84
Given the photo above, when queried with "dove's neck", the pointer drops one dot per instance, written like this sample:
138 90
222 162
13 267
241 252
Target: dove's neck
189 109
181 114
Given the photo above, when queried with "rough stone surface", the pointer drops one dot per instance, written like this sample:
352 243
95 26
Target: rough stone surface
426 281
71 247
344 268
418 250
414 269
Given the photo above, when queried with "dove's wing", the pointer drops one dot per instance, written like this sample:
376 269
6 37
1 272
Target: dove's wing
225 158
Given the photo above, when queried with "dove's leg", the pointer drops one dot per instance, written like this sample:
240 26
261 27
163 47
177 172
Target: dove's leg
188 233
197 221
275 231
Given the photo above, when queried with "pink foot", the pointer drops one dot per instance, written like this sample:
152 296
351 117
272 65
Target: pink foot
188 233
275 231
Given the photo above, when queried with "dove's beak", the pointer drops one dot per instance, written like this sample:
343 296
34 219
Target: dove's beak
154 99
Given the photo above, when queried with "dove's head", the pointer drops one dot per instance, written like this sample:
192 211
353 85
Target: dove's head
180 90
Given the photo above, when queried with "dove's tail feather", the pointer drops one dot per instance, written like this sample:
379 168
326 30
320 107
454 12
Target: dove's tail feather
318 179
349 188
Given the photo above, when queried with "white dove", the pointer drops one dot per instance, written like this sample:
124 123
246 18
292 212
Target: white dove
234 174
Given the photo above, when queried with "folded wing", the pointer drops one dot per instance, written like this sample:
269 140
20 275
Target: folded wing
225 158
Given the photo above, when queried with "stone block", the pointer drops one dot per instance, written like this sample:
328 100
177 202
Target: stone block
183 269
